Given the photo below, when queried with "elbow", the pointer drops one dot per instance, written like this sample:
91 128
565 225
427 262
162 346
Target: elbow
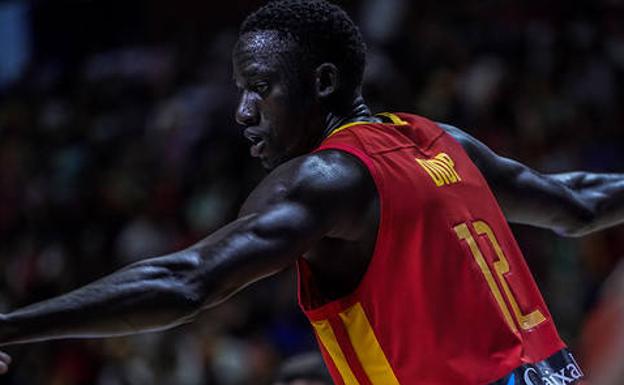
576 232
585 212
582 224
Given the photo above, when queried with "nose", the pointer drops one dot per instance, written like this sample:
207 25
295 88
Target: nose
247 111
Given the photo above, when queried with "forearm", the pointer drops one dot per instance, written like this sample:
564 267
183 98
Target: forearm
601 194
142 297
164 292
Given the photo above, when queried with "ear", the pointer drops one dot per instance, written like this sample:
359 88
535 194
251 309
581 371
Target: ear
327 80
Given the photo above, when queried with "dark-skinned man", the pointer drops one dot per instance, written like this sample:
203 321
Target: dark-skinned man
408 270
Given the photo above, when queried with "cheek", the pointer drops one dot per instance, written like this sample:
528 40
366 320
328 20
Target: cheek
286 115
281 115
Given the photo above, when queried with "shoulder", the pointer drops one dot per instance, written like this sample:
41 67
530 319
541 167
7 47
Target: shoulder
505 176
329 172
312 178
493 166
468 142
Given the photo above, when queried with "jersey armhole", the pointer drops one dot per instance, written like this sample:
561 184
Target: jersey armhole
303 274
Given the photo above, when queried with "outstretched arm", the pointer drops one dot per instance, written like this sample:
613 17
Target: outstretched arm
294 207
153 294
571 204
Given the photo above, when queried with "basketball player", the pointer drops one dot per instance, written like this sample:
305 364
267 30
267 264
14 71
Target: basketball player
408 270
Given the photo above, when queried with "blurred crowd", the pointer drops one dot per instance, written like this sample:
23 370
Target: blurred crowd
117 142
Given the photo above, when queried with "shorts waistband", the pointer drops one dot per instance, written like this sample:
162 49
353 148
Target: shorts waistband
561 368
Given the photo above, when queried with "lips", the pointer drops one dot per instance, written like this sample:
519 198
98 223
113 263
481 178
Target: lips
256 149
257 143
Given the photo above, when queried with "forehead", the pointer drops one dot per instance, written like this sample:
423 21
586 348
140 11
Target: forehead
259 50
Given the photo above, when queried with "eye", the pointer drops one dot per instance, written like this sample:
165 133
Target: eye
261 88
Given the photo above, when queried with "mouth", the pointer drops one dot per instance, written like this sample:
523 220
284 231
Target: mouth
258 143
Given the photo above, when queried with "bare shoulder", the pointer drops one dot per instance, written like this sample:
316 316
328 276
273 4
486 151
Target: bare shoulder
313 177
476 150
498 170
332 183
329 173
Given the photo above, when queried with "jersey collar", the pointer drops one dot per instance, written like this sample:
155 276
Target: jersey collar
388 115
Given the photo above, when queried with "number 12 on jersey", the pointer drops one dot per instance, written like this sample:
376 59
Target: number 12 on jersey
501 267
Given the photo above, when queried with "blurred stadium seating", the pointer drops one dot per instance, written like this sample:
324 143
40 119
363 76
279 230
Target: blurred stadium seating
117 142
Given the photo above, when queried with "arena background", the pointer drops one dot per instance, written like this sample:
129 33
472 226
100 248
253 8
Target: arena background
117 142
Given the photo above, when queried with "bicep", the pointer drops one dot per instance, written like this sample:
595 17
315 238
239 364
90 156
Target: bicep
525 195
289 212
251 248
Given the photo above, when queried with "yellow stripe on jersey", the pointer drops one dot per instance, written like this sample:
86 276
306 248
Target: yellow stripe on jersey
367 347
394 118
344 126
329 341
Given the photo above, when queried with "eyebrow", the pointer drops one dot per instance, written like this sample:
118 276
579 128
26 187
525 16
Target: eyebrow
247 76
255 70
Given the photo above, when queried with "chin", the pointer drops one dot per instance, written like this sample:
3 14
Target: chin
270 164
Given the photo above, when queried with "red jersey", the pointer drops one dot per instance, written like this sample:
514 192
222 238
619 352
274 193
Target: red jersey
447 297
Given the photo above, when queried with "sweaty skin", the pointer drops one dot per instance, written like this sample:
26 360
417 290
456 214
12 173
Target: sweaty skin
571 204
308 204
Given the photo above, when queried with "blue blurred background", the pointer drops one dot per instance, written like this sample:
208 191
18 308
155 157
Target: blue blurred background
117 142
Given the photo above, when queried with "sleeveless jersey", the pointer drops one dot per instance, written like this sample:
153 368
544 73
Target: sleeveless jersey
447 297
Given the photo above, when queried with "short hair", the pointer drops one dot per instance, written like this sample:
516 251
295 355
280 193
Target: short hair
323 30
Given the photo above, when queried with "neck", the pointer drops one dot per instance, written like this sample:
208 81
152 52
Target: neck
357 111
